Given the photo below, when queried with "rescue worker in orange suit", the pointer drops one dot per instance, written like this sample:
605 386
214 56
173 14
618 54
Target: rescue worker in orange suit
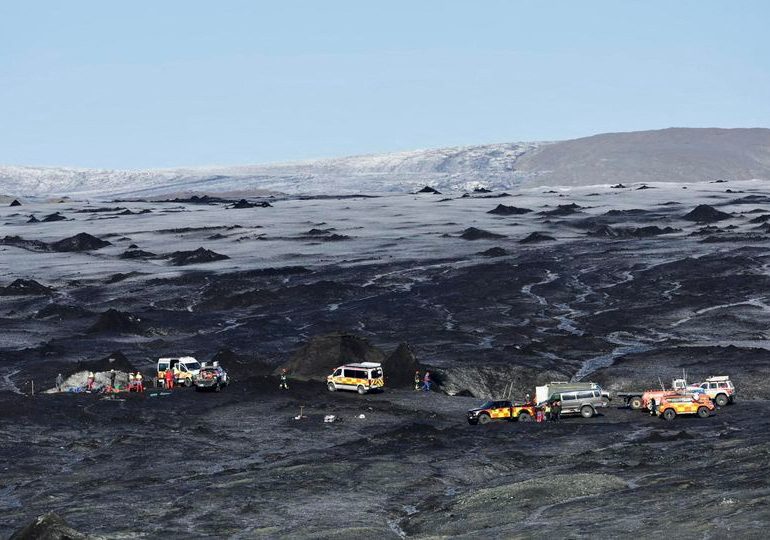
169 379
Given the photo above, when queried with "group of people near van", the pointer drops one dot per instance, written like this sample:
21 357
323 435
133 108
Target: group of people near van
135 382
550 412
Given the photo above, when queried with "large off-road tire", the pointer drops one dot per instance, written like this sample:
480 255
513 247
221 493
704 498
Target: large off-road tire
484 418
704 412
524 416
586 411
361 390
669 414
721 400
188 382
636 403
331 387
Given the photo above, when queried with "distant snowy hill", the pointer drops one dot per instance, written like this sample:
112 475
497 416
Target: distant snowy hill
678 154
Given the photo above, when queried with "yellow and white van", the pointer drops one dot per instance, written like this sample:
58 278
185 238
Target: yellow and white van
363 377
185 368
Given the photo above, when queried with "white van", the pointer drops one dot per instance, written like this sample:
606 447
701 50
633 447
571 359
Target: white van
186 368
363 377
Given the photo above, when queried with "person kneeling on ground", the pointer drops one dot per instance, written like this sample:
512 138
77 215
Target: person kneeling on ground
426 382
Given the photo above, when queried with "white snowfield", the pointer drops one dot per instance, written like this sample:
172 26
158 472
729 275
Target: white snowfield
679 155
451 169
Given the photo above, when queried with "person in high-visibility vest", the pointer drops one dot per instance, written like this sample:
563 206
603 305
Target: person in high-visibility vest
284 383
417 380
547 411
139 382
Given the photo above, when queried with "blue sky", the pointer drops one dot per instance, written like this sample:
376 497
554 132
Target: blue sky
166 83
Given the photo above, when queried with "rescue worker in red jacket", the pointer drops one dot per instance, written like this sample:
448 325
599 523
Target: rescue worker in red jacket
169 379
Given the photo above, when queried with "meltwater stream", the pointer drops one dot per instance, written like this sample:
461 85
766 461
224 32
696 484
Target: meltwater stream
625 346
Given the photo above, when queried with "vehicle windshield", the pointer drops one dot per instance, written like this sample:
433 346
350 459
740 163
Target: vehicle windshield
192 365
488 405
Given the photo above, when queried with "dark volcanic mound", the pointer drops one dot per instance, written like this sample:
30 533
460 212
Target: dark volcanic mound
482 190
633 212
79 242
319 356
706 214
536 237
15 202
100 210
428 189
735 238
56 216
493 252
503 210
563 210
200 255
605 231
116 361
137 254
48 527
33 219
472 233
400 366
618 186
25 287
760 219
117 322
196 199
319 232
243 203
19 242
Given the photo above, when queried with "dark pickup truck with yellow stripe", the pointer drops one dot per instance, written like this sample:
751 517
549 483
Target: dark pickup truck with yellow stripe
502 410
